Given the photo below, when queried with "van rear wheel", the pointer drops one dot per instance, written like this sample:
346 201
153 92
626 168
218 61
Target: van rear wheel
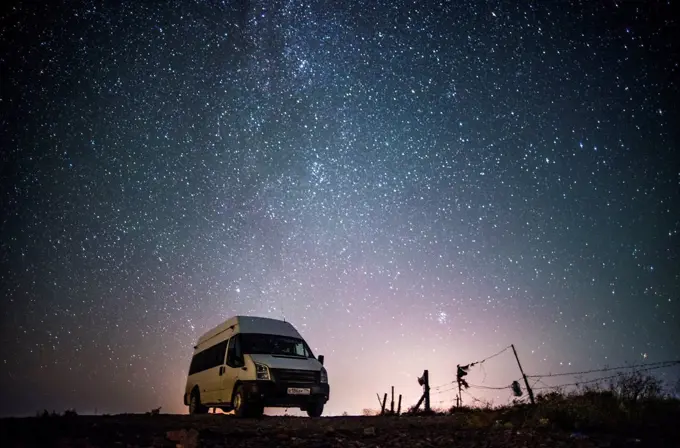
195 406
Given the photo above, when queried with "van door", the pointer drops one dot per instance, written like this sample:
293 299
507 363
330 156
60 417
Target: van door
232 370
211 379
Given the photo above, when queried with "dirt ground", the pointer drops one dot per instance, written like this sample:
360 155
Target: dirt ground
215 430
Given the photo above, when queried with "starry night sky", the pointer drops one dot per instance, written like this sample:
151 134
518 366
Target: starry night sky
412 184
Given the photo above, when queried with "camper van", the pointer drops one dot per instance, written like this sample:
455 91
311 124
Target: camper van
248 363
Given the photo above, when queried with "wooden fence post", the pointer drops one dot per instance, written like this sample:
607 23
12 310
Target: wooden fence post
425 382
392 402
426 377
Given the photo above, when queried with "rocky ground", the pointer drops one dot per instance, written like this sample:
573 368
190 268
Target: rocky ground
175 431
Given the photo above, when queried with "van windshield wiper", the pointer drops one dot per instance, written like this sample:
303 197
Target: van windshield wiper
276 355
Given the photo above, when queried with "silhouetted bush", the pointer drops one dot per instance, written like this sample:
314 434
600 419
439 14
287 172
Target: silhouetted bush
422 411
54 414
631 402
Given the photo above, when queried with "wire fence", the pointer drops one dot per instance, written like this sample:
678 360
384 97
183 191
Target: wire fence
608 369
494 355
481 386
538 384
442 386
603 378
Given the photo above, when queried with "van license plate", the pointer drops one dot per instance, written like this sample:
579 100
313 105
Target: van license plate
299 391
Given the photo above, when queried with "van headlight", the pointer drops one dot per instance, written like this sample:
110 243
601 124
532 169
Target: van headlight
324 375
262 372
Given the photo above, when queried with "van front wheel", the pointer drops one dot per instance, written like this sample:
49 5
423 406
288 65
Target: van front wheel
315 409
243 407
195 406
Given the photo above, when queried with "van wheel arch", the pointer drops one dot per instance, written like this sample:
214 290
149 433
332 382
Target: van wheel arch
195 391
200 409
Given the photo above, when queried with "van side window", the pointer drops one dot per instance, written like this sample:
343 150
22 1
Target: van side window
195 366
234 355
208 358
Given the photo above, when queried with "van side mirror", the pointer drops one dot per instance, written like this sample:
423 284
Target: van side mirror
321 359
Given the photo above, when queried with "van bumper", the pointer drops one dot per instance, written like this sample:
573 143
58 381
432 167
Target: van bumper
274 394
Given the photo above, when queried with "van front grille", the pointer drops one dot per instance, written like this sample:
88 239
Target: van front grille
295 376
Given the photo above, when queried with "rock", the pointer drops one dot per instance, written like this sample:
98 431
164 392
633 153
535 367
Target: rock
176 436
370 431
160 442
184 438
192 438
330 430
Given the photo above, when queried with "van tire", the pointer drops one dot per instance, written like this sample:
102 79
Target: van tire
244 408
238 402
315 409
195 406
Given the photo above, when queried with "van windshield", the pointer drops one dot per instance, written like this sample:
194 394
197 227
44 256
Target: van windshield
271 344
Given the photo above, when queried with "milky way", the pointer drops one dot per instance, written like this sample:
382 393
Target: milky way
412 185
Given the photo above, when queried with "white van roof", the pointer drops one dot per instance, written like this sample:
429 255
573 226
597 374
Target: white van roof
252 324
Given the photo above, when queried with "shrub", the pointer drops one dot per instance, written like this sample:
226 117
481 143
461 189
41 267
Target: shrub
633 386
631 401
